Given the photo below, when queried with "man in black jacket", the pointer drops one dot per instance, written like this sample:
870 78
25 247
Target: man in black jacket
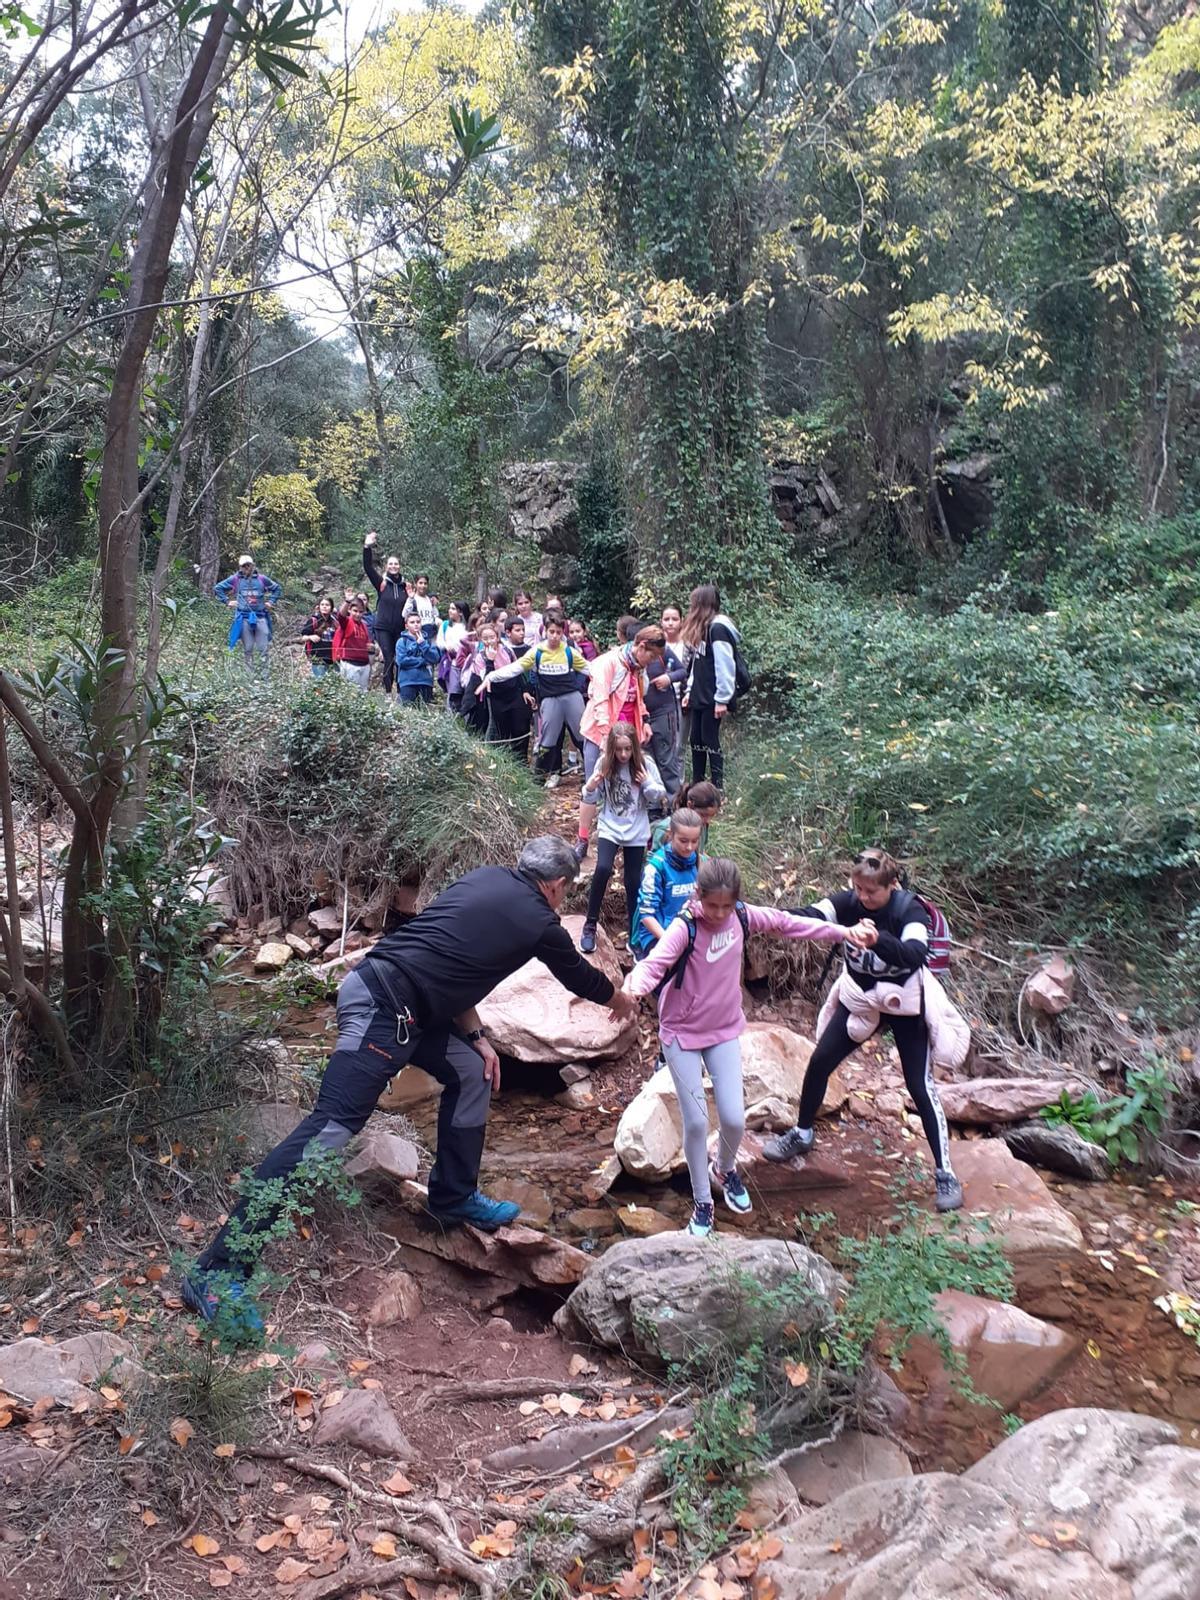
389 613
413 1000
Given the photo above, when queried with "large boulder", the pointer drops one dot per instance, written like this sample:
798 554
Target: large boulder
1019 1208
1079 1505
1009 1355
531 1017
774 1060
1058 1148
32 1370
661 1299
933 1537
649 1137
984 1101
364 1420
1118 1477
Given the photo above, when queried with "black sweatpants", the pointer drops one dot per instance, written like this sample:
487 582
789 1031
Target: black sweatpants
912 1040
373 1043
510 727
632 862
705 735
387 642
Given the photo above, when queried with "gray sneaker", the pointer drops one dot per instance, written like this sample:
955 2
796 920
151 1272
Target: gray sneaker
786 1146
949 1191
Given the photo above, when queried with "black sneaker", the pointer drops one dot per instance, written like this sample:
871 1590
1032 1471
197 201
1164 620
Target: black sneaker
587 939
702 1220
581 850
786 1146
949 1191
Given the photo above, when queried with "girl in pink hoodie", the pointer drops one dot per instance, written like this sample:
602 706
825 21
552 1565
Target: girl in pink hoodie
696 968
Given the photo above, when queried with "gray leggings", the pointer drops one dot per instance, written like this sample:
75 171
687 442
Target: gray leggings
255 641
559 713
724 1064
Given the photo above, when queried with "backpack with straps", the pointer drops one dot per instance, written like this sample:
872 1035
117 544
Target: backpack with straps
688 919
939 933
537 659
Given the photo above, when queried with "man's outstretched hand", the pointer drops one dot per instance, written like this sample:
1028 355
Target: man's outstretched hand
491 1062
622 1005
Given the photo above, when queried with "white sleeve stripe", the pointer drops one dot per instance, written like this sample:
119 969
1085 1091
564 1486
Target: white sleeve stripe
825 908
915 930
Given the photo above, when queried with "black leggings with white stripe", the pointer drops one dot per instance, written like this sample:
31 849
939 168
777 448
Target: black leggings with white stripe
912 1040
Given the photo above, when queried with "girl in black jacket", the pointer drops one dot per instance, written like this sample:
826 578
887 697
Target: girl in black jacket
712 639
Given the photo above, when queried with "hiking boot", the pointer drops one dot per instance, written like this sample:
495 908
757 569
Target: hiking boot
786 1146
587 939
581 850
737 1196
553 779
949 1191
702 1223
481 1211
210 1294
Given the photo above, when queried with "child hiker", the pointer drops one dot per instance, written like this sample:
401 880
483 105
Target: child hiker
669 880
625 783
696 969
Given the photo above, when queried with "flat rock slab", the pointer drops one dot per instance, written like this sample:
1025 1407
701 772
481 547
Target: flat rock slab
364 1420
820 1170
30 1369
1010 1356
399 1300
986 1101
563 1448
830 1469
1020 1209
518 1254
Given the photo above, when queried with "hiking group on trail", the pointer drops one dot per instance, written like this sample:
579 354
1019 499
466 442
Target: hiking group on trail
413 998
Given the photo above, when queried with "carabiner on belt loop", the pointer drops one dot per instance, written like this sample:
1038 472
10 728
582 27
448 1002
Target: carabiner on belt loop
404 1020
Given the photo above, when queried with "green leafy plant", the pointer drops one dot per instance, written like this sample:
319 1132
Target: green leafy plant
1119 1124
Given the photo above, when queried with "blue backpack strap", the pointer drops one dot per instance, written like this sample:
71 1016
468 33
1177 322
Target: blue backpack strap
744 919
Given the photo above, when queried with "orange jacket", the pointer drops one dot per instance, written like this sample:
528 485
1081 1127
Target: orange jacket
607 689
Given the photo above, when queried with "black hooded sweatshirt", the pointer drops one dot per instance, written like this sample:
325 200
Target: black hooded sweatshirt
391 591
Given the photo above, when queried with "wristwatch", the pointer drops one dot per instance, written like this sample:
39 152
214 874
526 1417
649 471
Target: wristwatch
475 1035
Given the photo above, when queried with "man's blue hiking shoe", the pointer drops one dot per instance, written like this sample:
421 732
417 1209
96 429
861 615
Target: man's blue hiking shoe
213 1294
481 1211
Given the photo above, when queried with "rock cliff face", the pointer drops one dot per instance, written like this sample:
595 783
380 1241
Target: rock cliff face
542 508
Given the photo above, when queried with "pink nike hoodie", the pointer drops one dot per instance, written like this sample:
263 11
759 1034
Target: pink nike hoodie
706 1009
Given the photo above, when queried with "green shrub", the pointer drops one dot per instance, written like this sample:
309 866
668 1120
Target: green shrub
309 776
1041 766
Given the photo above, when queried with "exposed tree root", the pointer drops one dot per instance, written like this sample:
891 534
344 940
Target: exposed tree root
512 1389
367 1575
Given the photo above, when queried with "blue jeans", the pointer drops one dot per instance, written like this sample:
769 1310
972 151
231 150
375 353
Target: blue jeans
410 693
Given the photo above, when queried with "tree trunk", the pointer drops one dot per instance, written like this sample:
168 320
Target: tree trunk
89 971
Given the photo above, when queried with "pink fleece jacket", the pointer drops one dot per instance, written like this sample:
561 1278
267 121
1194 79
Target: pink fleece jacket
706 1009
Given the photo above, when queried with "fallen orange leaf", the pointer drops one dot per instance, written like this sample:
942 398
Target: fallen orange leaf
290 1570
224 1450
182 1431
204 1544
397 1484
384 1546
797 1373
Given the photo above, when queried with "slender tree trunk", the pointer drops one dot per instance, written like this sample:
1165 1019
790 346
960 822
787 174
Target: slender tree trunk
208 551
88 976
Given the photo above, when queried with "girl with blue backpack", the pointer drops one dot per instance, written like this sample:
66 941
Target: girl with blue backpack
696 971
668 880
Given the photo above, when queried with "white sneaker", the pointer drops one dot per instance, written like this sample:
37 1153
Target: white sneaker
553 779
703 1219
737 1196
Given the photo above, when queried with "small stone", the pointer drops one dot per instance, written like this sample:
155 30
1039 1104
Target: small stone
771 1497
317 1357
326 920
364 1420
384 1155
272 956
579 1097
599 1182
592 1219
299 946
535 1203
574 1073
644 1221
399 1301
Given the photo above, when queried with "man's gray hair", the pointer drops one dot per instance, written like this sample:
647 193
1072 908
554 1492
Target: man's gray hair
548 857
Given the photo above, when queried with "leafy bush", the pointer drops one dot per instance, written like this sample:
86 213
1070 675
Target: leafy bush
310 777
1119 1124
1042 766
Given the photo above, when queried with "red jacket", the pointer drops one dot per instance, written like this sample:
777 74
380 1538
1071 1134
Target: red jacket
352 642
